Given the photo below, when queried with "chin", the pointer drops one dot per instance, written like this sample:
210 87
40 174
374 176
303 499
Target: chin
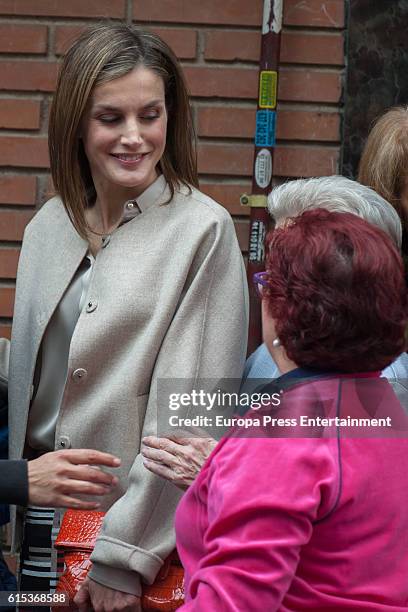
131 181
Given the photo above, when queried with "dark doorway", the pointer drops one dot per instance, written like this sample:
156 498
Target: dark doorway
377 74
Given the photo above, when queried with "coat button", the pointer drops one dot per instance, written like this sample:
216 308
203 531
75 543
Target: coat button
79 374
91 305
64 442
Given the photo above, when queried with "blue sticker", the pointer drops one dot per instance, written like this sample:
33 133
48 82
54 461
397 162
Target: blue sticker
265 135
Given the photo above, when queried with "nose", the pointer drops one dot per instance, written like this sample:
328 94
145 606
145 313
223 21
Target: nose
131 135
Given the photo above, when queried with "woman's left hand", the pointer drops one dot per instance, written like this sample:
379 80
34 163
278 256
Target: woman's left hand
100 598
178 460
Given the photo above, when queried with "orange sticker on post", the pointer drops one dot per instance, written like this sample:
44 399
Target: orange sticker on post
268 80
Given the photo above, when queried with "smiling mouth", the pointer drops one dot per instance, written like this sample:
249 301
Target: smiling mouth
129 157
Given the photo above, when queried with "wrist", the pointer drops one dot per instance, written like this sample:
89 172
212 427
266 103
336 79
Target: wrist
119 579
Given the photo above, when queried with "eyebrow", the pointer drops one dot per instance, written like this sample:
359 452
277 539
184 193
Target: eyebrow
109 107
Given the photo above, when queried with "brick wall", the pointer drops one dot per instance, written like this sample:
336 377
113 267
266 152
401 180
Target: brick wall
218 44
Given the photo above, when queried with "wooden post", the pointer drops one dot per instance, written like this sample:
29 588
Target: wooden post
265 136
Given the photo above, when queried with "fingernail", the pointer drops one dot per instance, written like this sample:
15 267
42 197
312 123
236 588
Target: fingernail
116 461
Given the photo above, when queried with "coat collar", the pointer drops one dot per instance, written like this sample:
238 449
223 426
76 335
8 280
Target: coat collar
158 193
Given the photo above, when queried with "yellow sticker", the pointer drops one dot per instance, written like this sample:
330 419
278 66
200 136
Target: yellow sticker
268 80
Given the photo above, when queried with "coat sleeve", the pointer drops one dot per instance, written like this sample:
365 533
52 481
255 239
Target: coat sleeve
13 482
257 526
206 338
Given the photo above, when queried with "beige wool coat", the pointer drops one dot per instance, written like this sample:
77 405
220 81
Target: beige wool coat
169 299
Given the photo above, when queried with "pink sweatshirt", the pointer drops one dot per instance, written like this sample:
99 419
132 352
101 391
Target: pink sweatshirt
298 524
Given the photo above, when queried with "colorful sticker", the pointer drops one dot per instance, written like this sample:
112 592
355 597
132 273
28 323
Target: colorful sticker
265 135
266 17
263 168
257 242
277 17
268 80
269 8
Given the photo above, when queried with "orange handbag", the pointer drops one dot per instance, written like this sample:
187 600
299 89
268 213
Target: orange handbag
76 538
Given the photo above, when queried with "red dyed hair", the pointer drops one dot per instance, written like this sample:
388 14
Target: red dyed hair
336 292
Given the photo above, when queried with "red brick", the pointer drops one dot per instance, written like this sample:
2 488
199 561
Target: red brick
228 195
7 295
230 122
308 125
56 8
294 84
296 48
222 82
65 36
24 151
17 189
28 75
242 232
229 12
312 48
288 161
23 38
5 332
226 122
230 45
20 114
316 13
182 41
300 162
8 262
225 159
12 224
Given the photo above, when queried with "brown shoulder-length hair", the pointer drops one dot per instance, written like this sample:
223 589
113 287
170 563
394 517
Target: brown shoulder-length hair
384 162
101 54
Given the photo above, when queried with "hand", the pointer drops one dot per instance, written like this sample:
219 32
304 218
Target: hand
56 479
179 460
95 596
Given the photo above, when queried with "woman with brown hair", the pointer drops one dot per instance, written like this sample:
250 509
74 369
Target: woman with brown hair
122 281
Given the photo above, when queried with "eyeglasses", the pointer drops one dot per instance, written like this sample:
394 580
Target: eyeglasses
260 280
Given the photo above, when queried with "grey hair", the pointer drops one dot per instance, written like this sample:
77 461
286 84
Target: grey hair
338 194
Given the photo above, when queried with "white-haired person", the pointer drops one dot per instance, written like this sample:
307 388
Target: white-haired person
338 194
301 507
180 460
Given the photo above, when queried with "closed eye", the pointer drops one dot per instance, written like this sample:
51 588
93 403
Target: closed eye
108 118
151 117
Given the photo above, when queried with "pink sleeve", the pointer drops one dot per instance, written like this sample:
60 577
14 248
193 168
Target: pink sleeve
263 496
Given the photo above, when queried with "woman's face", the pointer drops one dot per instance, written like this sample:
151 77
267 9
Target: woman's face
124 131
